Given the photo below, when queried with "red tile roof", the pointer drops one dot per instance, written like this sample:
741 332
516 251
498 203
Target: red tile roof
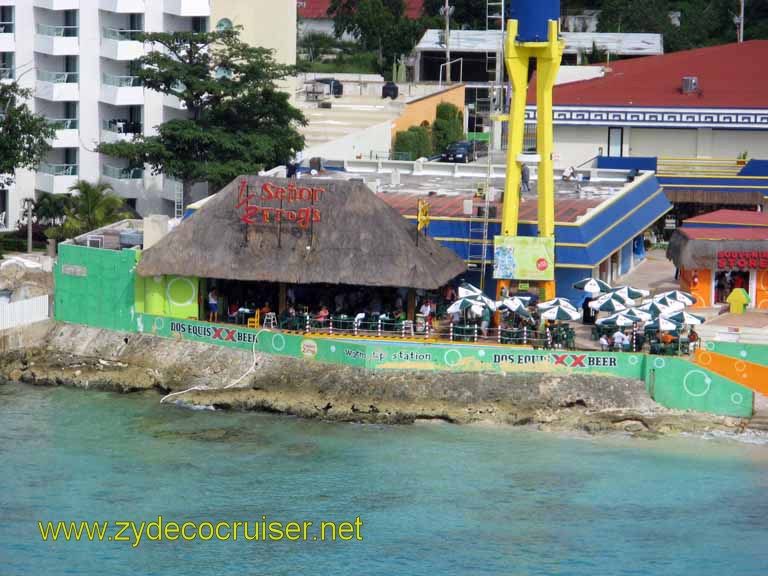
730 76
731 217
725 233
566 210
318 9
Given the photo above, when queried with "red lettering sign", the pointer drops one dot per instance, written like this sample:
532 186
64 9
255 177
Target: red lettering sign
748 259
285 197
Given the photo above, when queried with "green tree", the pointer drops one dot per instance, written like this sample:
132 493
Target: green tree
448 126
24 135
51 208
379 25
415 142
91 206
466 14
238 120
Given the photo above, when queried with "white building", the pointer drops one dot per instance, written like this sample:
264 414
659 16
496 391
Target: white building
76 56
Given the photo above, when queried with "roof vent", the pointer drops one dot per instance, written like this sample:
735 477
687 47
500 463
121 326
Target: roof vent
690 84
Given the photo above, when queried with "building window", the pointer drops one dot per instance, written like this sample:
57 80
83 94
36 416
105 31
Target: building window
224 24
3 209
199 24
616 142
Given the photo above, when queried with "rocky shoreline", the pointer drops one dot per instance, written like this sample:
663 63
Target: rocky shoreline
76 356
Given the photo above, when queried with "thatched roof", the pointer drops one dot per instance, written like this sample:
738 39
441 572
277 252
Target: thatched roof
333 232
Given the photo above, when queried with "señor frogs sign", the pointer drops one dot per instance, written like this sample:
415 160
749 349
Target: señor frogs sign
272 203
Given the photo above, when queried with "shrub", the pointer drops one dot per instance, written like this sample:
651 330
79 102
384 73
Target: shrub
448 127
416 142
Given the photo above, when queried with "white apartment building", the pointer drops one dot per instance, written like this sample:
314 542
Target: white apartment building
77 58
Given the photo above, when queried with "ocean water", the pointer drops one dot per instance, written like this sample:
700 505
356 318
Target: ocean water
434 499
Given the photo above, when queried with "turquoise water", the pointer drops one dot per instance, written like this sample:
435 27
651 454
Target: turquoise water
434 499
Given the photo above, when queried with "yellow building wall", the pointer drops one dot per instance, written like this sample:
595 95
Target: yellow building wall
425 109
266 23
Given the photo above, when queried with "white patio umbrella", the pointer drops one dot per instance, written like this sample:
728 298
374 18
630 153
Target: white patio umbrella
592 285
670 303
663 324
467 290
680 296
560 313
630 293
609 304
684 317
557 302
464 304
640 315
619 320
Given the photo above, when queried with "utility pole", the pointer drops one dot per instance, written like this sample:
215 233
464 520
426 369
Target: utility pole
741 21
446 11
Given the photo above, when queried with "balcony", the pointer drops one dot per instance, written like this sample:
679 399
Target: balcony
173 101
119 130
123 6
120 44
188 7
57 40
56 178
57 4
67 132
122 90
58 86
7 37
125 182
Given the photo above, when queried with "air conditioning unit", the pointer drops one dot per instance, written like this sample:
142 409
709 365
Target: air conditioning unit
690 84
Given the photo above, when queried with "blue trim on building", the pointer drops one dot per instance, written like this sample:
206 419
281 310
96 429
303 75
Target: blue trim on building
755 168
627 163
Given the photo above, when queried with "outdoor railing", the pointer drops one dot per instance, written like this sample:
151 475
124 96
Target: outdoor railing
58 169
64 123
121 34
7 27
121 126
7 73
122 173
58 77
122 81
58 31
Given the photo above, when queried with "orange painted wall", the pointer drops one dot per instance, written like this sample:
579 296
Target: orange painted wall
703 290
425 109
761 298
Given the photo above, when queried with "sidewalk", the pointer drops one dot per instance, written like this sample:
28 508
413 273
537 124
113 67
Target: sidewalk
655 273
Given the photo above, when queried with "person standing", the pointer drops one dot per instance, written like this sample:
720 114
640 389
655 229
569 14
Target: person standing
486 321
213 305
525 180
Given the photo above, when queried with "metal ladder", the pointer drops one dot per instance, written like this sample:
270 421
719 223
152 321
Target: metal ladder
494 20
178 199
477 253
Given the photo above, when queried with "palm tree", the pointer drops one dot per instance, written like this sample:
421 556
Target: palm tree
92 206
51 208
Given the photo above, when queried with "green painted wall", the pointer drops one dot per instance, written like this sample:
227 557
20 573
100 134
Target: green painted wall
678 383
95 287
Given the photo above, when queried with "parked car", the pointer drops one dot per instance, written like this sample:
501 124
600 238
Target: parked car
336 87
464 152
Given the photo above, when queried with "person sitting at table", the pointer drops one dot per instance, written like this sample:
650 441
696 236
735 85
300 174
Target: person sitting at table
232 312
667 338
359 319
288 318
322 316
266 309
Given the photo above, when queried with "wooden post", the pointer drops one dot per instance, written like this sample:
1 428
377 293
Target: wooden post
282 299
412 305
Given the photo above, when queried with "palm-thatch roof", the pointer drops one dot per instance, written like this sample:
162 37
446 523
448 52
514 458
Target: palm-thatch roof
319 231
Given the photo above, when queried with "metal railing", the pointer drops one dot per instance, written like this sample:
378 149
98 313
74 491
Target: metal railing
122 81
58 77
58 31
7 27
121 34
121 126
7 73
58 169
64 123
122 173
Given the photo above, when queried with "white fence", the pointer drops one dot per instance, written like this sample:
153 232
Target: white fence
23 312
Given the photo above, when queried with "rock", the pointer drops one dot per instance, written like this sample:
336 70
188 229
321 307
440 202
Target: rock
15 375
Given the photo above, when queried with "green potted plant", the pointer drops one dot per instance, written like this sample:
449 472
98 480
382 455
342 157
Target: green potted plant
742 159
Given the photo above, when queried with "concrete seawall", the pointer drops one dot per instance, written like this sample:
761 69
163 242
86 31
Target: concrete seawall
73 355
